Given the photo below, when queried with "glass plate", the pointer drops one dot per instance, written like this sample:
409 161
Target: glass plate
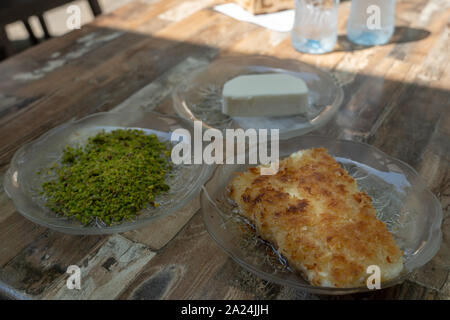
23 184
412 213
200 96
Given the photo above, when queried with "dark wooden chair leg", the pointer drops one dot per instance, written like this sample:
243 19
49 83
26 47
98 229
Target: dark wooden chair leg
44 26
33 38
5 45
95 7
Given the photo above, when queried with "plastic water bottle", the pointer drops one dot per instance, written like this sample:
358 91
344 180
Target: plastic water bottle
315 25
371 22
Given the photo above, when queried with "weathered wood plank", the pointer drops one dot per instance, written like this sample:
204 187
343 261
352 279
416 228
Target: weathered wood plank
157 234
151 95
17 232
105 273
184 269
46 260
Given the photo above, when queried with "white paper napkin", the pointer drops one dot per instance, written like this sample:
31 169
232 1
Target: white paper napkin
279 21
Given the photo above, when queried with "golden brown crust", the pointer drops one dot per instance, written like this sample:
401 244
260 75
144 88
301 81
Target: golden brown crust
313 212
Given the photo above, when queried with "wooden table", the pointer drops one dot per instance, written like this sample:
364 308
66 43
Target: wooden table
396 97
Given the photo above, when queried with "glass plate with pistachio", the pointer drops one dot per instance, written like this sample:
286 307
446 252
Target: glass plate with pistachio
106 173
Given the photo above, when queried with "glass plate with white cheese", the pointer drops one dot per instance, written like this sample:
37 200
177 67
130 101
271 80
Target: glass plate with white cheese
202 97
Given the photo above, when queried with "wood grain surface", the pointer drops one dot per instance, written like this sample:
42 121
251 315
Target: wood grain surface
397 97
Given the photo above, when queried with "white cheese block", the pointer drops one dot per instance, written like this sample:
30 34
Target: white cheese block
268 95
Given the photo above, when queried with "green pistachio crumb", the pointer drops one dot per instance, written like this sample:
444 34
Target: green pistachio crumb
111 179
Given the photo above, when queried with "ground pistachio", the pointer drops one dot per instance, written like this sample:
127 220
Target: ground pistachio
110 179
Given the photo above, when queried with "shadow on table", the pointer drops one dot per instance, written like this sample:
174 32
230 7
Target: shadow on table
401 35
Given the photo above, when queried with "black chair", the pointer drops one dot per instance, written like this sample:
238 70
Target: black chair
21 10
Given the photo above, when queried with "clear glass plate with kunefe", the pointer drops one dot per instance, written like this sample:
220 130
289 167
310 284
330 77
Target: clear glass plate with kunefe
199 97
106 173
410 211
